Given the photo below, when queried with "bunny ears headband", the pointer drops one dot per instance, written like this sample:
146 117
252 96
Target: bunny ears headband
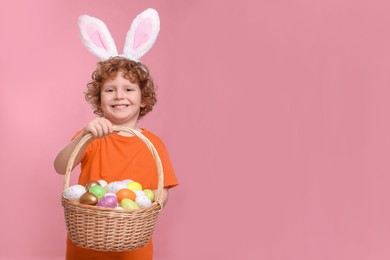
140 38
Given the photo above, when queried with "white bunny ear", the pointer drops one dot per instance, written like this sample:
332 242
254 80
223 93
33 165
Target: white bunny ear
96 37
142 34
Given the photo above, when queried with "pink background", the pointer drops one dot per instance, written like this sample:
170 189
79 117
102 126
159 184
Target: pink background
275 113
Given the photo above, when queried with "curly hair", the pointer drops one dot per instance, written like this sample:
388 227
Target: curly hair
135 72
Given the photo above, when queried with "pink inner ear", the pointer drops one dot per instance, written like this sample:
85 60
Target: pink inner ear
142 33
96 36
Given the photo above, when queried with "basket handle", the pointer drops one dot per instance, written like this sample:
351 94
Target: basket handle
150 146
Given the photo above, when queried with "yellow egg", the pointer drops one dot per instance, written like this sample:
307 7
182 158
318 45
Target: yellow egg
128 204
134 185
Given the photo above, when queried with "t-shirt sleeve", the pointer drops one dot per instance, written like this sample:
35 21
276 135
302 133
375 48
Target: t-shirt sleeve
87 150
170 179
76 134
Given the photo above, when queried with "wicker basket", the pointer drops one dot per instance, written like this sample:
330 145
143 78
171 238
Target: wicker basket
105 229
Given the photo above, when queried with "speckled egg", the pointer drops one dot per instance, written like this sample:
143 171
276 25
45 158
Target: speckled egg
109 194
102 183
139 193
108 202
114 186
74 192
127 181
143 201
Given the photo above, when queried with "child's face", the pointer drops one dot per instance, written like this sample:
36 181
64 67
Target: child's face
121 101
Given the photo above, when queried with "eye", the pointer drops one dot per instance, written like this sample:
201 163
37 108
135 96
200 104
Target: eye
129 89
108 90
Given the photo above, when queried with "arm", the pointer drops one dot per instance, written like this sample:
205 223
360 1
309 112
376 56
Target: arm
98 127
62 158
164 196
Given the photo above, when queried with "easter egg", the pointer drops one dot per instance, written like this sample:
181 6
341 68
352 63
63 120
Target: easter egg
109 194
119 208
88 198
143 201
74 192
134 185
150 194
111 186
115 186
91 184
128 204
126 181
98 191
139 193
125 194
102 183
108 201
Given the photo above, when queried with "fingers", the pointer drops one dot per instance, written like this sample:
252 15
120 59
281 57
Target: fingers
99 127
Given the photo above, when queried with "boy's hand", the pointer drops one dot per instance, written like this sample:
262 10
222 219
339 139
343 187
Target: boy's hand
98 127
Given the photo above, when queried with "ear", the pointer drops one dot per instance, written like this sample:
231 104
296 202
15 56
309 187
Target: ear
142 34
96 37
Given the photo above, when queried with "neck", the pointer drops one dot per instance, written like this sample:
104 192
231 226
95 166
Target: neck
129 134
132 125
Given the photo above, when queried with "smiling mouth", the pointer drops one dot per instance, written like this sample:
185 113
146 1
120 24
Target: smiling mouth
119 106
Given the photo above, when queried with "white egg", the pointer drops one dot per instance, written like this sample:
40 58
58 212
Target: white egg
102 183
109 194
139 193
113 187
74 192
126 181
143 201
119 208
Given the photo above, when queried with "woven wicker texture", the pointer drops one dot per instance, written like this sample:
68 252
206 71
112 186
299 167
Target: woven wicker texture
106 229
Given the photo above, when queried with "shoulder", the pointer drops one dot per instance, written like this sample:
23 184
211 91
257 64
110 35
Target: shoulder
156 140
77 133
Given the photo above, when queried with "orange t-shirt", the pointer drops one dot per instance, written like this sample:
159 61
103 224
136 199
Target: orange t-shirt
115 158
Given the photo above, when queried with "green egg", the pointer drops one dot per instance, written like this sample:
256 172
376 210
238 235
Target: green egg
98 191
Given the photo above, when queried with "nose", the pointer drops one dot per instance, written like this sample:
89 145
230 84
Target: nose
118 94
